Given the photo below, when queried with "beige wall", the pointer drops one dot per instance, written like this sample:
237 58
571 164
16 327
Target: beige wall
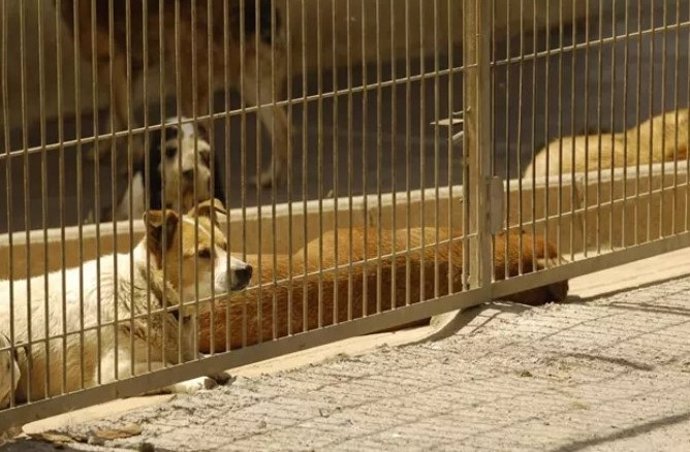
334 28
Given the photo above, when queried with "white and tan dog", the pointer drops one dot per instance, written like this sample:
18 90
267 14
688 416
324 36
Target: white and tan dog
109 322
178 173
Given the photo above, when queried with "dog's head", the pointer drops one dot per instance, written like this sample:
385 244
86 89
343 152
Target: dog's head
183 153
193 250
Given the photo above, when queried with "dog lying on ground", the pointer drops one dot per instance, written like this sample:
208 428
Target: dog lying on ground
248 325
184 162
94 303
187 44
664 135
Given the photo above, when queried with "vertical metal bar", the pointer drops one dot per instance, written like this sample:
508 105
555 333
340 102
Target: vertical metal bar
393 152
97 192
78 132
365 117
506 125
600 134
451 147
290 172
8 185
676 127
467 216
494 137
638 138
319 158
408 148
585 191
147 165
305 141
437 145
259 150
687 157
113 176
335 155
652 53
195 125
164 201
559 202
521 78
664 45
350 163
573 109
44 191
612 163
178 113
547 117
626 73
27 194
61 191
477 22
228 162
379 152
533 228
130 165
243 149
274 229
422 146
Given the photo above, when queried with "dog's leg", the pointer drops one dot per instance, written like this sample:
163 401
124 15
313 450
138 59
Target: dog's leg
273 118
124 368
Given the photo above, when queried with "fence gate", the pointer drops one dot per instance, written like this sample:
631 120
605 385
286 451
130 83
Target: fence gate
378 163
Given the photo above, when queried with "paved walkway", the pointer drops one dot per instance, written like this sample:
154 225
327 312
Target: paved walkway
608 374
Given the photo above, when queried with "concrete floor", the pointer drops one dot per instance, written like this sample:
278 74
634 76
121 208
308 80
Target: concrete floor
392 145
606 374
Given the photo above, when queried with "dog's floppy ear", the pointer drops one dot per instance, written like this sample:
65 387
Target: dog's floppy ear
209 208
159 223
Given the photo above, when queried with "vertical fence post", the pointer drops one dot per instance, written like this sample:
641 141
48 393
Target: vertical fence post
477 105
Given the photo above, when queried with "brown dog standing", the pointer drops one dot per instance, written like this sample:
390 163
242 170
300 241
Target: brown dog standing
203 40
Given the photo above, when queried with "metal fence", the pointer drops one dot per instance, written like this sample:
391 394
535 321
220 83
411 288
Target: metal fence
379 162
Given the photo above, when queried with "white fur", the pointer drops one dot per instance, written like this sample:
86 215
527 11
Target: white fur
79 293
8 378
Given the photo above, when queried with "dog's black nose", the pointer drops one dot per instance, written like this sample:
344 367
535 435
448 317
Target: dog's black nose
188 174
242 277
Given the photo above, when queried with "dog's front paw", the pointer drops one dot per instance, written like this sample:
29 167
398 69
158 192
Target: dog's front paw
222 377
193 386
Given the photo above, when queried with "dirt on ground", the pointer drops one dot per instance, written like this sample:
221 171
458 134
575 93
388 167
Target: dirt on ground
608 374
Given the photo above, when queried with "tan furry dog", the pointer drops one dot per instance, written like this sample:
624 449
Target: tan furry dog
243 307
665 137
101 325
186 42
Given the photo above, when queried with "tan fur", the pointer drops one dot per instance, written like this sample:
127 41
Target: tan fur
246 328
658 135
193 52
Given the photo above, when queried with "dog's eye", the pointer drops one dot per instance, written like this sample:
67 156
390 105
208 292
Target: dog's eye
204 253
170 152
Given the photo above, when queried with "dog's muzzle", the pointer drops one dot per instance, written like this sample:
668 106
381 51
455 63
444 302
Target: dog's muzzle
241 277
